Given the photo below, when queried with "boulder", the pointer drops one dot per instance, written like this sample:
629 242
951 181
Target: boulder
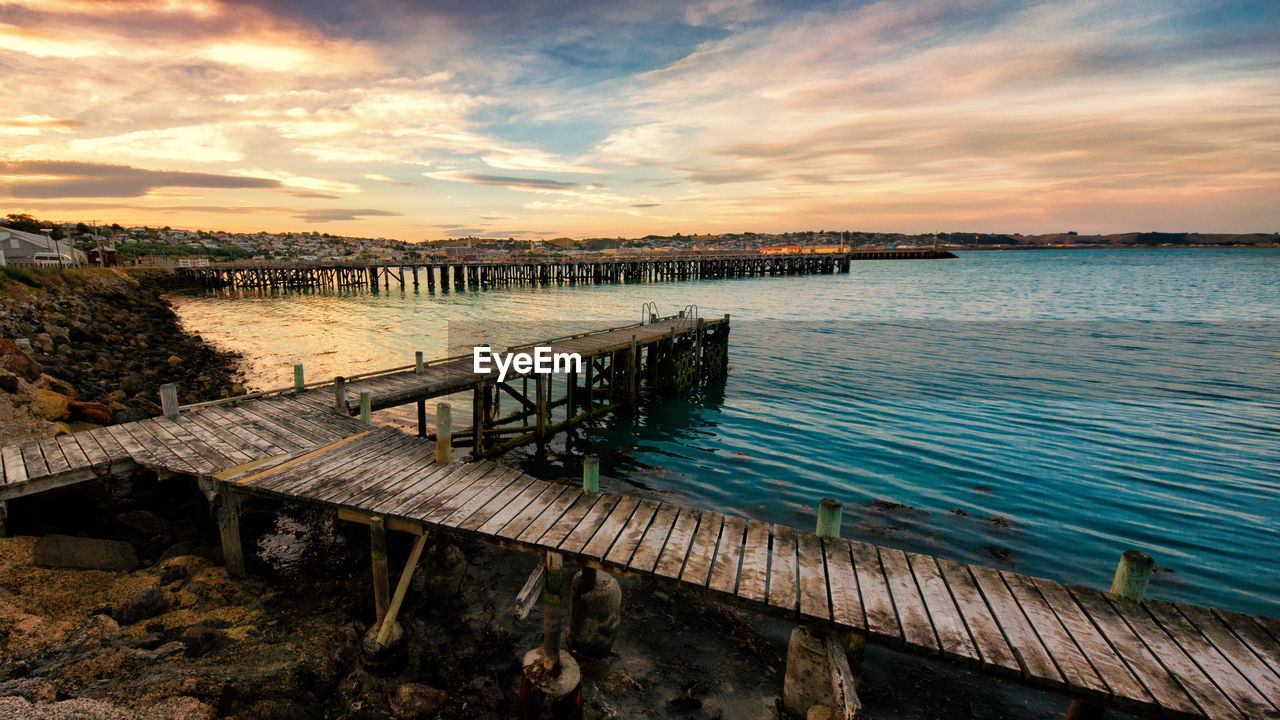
128 415
412 701
8 381
43 342
62 387
174 361
90 412
20 363
63 551
200 639
144 605
61 428
133 384
50 405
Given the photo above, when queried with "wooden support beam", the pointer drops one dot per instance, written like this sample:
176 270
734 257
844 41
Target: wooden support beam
551 613
228 512
540 428
402 587
396 524
848 706
528 595
479 411
444 432
340 394
422 418
378 557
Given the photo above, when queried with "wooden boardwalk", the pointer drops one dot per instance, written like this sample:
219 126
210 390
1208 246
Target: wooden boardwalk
1152 658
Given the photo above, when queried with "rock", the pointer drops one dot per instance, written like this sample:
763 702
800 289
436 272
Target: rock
62 387
200 640
180 708
411 701
128 415
236 389
148 407
116 396
164 651
60 429
21 364
8 382
146 604
63 551
133 384
104 364
180 567
50 405
43 342
16 708
90 412
57 333
174 361
822 712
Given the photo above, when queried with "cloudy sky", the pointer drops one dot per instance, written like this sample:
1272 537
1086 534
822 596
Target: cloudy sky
416 119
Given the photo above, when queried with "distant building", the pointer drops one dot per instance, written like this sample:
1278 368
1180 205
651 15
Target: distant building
24 248
780 250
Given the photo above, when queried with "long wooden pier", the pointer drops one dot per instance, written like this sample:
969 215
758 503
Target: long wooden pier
1153 658
474 273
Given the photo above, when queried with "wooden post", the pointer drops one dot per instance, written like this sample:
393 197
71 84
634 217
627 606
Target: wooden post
298 380
417 362
402 588
228 511
551 614
366 406
169 400
478 413
340 394
444 433
1132 575
591 474
422 418
540 428
4 517
1130 582
633 377
829 512
378 556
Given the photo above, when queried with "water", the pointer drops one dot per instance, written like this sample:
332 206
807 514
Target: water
1040 411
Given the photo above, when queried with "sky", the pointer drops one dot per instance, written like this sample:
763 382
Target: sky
420 120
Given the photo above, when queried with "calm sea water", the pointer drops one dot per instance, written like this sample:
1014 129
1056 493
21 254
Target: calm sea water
1040 411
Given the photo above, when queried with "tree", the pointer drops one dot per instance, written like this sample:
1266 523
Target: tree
22 222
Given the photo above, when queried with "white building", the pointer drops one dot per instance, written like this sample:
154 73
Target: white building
24 248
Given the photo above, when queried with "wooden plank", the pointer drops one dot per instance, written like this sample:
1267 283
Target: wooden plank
195 426
499 502
76 457
1236 652
279 477
590 523
555 533
300 424
1224 675
499 480
527 500
598 546
269 428
14 470
54 457
182 433
782 569
671 559
158 445
1163 688
1252 635
93 454
1203 692
1102 657
250 431
411 474
1071 661
877 601
110 445
33 460
645 558
994 649
1270 624
538 524
632 533
948 625
814 593
137 451
340 467
465 501
917 628
754 579
702 551
724 569
1037 664
452 493
846 603
172 444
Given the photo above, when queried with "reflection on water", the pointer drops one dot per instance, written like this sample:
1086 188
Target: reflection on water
1040 411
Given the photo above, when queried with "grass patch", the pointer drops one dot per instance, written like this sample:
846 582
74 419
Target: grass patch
16 273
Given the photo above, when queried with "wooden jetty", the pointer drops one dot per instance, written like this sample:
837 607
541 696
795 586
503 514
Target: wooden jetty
474 273
1145 656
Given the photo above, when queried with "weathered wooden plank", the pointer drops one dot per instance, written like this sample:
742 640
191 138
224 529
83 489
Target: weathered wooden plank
164 448
671 560
1037 663
627 541
1203 692
846 602
54 457
93 453
250 431
263 425
610 530
1069 658
1153 676
14 470
724 570
917 628
783 569
948 625
183 435
1270 624
1252 635
1126 688
581 533
338 466
33 460
501 479
992 646
546 496
500 503
233 451
1220 671
877 602
753 582
647 553
555 533
300 424
110 445
457 491
812 584
548 517
1236 652
137 451
702 551
412 474
76 458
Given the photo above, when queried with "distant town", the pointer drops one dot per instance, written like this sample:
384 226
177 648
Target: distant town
25 240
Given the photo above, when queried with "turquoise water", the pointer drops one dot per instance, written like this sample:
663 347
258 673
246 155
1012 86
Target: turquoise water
1040 411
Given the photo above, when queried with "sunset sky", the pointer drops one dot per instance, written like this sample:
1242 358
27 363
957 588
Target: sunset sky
420 120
